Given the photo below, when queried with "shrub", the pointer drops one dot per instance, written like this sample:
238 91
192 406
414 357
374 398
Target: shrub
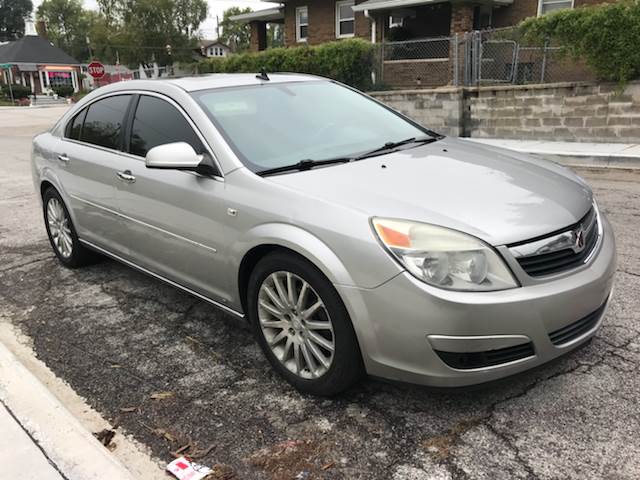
19 91
348 61
63 90
606 36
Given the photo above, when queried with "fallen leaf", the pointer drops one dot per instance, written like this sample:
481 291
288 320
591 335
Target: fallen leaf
164 434
128 409
178 453
161 395
105 436
328 466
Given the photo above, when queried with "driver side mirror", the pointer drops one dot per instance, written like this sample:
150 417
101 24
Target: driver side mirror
180 156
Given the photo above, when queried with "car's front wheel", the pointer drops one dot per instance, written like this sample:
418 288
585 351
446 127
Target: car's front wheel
302 325
61 232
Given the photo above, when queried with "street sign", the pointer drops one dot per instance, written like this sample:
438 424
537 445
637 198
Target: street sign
5 65
96 69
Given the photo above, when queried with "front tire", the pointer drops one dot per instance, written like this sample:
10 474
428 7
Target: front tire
61 232
302 325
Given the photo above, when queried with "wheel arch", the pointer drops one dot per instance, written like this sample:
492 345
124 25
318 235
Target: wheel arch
266 239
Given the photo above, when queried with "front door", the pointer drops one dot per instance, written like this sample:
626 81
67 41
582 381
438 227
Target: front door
174 218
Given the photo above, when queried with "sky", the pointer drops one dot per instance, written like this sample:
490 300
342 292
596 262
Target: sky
216 7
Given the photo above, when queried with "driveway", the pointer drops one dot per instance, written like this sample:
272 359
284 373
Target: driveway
178 374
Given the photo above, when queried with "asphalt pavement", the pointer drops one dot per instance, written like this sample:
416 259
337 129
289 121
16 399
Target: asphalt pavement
180 376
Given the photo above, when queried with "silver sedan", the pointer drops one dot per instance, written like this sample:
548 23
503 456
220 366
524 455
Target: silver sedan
352 239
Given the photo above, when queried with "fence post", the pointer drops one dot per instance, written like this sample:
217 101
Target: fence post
382 50
456 73
516 63
544 61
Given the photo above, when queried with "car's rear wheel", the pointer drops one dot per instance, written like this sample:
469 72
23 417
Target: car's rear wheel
302 325
61 232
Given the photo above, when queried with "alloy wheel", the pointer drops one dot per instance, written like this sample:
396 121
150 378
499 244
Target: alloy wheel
296 324
59 227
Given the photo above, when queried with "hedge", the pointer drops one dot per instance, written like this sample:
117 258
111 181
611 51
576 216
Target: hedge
63 90
348 61
606 36
19 91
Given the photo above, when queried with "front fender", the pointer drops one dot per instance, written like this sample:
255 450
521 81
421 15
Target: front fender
300 241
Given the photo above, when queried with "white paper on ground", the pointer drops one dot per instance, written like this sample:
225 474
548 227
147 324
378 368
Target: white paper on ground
185 469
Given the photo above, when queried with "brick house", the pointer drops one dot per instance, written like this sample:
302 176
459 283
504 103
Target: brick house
313 22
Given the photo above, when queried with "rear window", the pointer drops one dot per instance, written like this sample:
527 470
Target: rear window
104 122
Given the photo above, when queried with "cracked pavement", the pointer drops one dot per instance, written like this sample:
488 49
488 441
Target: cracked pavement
118 337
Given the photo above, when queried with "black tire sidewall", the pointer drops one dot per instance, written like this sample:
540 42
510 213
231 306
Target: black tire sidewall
346 367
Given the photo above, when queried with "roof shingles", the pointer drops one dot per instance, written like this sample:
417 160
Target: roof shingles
34 49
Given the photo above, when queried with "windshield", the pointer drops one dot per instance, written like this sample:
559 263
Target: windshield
280 124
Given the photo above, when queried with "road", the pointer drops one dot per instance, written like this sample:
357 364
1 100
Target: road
174 372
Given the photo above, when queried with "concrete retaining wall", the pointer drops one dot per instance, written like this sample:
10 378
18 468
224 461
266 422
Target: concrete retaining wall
589 112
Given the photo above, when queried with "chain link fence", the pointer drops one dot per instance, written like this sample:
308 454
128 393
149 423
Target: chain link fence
489 57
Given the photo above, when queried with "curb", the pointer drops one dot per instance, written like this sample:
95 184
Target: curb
73 451
570 157
590 161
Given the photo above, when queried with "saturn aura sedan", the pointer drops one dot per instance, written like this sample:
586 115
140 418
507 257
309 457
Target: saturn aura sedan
351 238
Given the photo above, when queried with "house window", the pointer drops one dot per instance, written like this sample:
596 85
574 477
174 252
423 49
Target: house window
546 6
302 24
345 19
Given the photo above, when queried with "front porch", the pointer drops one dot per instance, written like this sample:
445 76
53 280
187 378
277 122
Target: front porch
419 39
259 22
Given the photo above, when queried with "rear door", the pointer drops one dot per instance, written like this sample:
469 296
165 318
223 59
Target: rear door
174 219
90 157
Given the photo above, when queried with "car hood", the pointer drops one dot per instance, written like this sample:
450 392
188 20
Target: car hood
495 194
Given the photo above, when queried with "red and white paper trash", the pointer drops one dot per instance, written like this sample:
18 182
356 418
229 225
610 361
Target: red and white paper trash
185 469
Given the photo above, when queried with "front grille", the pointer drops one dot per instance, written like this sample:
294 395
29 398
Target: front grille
468 360
554 254
574 330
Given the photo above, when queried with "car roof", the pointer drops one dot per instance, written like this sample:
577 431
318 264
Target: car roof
221 80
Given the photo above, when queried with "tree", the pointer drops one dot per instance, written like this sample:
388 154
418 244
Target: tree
67 25
161 30
235 34
13 14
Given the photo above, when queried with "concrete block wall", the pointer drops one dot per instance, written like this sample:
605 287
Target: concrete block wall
587 112
438 109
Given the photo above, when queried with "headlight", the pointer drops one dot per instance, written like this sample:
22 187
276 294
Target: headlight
444 258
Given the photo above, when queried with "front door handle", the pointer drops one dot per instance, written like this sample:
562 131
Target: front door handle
63 158
126 176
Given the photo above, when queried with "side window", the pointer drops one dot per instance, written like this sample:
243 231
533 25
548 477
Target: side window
104 122
157 122
74 127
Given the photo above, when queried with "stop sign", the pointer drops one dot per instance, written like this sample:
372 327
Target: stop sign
96 69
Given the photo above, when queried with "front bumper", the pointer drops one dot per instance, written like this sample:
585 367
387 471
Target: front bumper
402 323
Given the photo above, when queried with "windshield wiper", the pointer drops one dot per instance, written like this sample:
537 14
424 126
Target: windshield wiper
303 165
391 145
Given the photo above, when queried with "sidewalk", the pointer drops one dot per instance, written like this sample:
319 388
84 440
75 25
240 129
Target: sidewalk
20 454
42 440
602 155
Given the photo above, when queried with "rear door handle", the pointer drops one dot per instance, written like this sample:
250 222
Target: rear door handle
126 176
63 158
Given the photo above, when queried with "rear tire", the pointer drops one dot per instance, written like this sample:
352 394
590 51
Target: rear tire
286 316
62 234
